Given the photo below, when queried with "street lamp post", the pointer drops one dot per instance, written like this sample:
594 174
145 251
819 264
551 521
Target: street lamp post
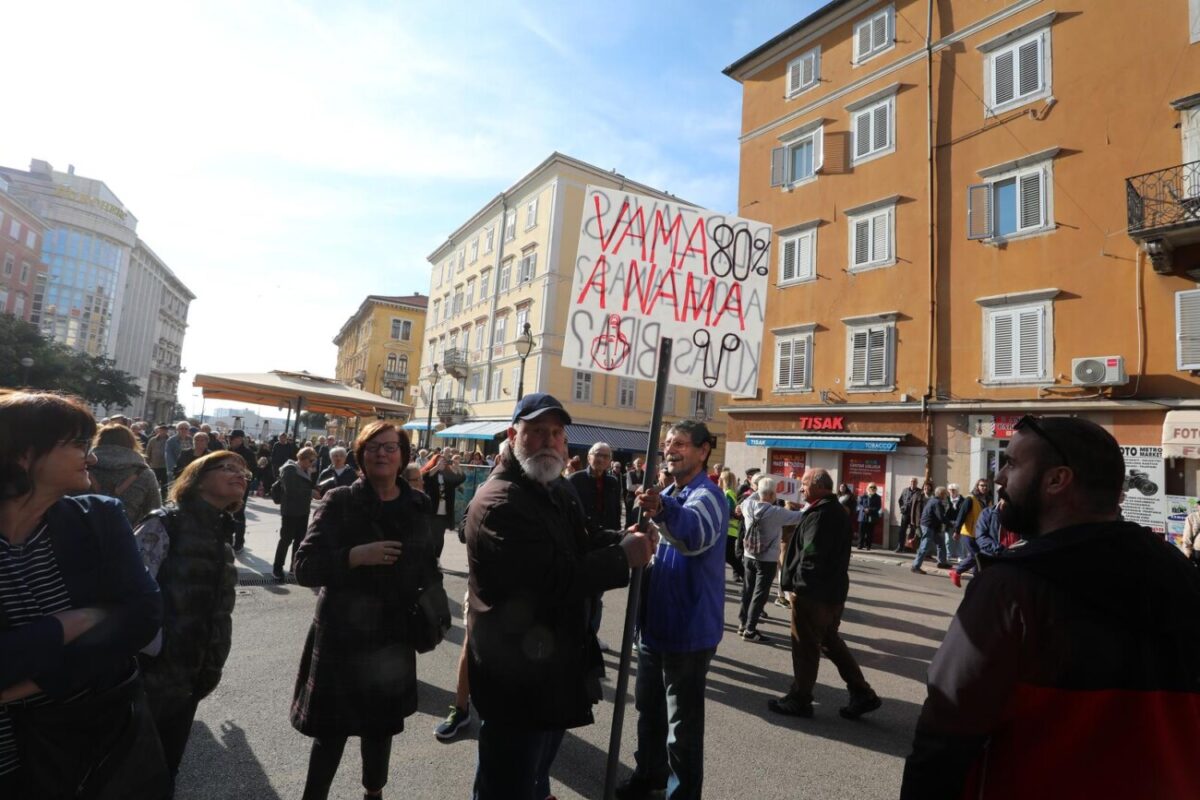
25 363
524 345
433 381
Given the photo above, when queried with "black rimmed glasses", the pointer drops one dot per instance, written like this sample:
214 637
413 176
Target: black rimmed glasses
1030 423
387 447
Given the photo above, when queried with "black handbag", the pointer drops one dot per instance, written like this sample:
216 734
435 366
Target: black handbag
428 618
102 747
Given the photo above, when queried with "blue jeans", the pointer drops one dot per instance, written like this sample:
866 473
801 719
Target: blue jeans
514 763
669 695
930 538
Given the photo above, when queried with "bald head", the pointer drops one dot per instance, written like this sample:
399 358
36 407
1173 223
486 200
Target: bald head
816 484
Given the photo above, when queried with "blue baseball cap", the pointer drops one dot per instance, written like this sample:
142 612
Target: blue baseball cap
532 406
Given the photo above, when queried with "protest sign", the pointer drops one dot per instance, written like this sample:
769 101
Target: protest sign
647 269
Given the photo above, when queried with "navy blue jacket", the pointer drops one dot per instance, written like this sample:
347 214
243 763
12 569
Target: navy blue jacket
934 514
987 531
100 566
869 507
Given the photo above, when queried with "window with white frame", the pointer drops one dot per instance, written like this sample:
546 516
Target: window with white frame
498 331
1016 69
497 383
803 72
1015 200
479 336
800 156
30 239
872 236
469 298
19 305
10 263
462 259
466 342
793 359
24 272
485 279
582 387
505 276
872 129
1016 340
528 267
874 35
474 249
475 380
798 256
870 355
489 238
626 393
531 213
14 229
458 300
437 310
1187 330
402 329
701 405
522 318
510 225
452 341
669 400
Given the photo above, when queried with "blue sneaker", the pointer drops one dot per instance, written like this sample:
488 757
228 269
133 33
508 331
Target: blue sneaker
458 720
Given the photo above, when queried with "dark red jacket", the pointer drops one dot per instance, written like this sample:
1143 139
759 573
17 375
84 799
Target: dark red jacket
1072 669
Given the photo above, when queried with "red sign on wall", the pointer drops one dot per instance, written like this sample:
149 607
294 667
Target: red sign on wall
859 469
822 423
788 463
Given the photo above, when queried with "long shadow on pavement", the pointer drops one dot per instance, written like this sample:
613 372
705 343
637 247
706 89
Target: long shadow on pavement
865 601
905 659
242 774
890 623
855 580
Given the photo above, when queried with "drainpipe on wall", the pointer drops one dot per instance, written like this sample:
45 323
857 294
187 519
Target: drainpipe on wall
927 417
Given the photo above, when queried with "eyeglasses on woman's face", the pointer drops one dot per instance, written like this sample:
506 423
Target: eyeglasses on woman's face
231 469
388 447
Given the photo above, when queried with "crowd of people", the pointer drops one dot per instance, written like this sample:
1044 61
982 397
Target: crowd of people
117 589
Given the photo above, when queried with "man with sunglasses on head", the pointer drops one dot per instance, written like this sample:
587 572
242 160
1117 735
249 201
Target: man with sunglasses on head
1072 668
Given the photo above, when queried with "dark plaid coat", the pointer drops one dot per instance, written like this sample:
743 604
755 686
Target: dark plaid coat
358 674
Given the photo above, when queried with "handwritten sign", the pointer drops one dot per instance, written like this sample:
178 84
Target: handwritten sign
647 268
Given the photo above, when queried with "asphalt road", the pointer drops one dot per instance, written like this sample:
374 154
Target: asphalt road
243 746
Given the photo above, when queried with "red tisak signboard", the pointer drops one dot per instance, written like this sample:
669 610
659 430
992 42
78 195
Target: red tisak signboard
822 423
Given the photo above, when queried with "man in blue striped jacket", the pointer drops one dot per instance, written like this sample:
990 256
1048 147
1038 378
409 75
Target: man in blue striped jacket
682 619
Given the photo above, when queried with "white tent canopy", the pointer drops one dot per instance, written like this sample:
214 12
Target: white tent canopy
300 391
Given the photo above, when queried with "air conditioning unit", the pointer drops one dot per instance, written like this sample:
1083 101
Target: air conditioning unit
1098 371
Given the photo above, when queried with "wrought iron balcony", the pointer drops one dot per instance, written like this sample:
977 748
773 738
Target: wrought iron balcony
395 378
1163 209
454 362
449 409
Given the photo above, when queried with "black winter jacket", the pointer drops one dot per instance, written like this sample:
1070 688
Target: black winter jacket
534 661
609 514
817 561
198 583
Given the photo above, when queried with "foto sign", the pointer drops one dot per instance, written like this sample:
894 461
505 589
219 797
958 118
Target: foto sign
647 268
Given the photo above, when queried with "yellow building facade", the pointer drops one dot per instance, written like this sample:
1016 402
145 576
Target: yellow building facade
379 346
983 209
511 265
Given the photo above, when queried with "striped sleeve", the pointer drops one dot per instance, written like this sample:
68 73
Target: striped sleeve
695 524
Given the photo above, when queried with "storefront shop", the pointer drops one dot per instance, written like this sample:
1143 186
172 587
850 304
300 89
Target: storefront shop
856 448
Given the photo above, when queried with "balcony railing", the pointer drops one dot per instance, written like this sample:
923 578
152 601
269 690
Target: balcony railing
395 378
448 408
454 362
1164 198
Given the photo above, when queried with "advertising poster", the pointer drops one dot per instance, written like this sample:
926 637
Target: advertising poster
787 467
859 469
1178 508
1145 499
647 269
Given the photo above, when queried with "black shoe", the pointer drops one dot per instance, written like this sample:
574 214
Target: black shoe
791 707
943 565
860 704
639 788
278 575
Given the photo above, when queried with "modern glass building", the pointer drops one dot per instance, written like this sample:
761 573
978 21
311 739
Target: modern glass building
77 307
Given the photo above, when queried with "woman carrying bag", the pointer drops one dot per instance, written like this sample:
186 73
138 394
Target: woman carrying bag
76 606
369 549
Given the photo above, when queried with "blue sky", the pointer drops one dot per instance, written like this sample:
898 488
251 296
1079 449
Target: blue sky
286 158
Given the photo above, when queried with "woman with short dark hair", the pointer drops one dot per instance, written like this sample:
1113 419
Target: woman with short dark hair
76 605
186 547
369 549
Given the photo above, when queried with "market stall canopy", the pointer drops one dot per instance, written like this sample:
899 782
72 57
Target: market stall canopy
314 393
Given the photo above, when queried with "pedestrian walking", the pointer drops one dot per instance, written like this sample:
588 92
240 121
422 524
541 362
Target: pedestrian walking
176 444
369 551
296 492
764 522
727 483
199 448
156 457
239 445
908 520
185 548
816 572
121 472
933 522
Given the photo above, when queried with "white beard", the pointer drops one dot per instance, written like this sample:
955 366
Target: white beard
542 466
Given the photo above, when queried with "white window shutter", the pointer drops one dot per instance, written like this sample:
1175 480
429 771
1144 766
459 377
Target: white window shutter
862 41
800 362
778 162
862 242
862 134
1029 62
858 358
532 265
880 237
1187 330
877 356
1003 79
979 211
804 256
819 149
1031 200
787 268
1029 343
1002 344
808 70
783 372
881 134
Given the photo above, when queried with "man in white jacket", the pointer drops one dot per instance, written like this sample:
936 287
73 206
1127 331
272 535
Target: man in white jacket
764 523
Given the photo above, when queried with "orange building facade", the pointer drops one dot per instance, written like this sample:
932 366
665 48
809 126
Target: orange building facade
982 209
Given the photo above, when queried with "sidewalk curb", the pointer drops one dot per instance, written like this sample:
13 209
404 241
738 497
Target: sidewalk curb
896 560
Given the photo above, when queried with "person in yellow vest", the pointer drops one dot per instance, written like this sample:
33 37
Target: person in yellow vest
964 526
728 483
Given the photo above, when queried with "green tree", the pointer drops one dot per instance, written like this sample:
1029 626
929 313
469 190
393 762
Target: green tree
313 419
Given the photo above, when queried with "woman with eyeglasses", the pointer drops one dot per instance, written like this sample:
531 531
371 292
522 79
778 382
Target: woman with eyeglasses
186 548
370 551
76 605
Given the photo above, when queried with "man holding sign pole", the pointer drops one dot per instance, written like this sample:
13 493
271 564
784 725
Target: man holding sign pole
682 621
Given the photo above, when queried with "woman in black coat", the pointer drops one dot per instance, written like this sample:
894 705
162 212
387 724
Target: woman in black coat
442 477
369 549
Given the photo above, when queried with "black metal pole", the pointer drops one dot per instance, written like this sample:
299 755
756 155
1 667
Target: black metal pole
296 421
633 603
521 382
